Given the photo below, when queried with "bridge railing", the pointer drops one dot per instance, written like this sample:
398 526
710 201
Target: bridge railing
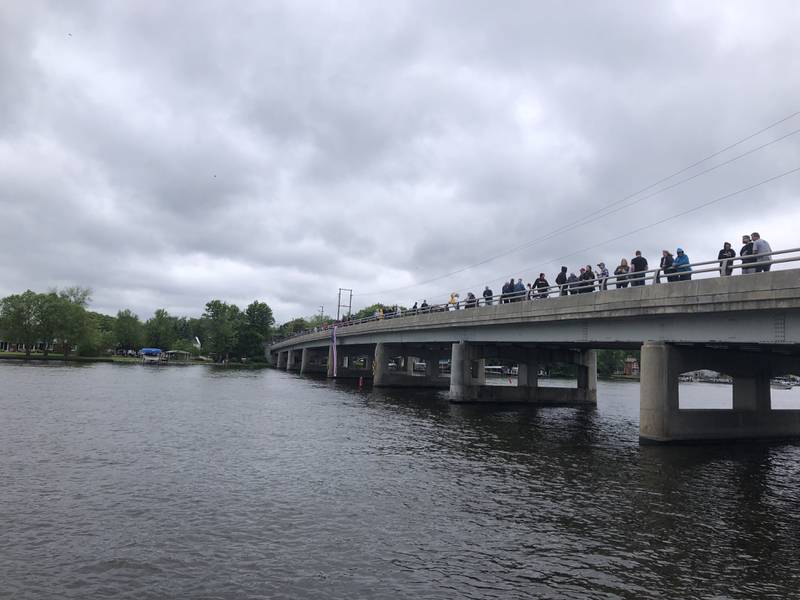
657 276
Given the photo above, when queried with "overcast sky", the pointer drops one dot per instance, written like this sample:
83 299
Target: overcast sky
168 153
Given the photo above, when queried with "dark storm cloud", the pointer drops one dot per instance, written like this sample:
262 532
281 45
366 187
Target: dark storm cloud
170 154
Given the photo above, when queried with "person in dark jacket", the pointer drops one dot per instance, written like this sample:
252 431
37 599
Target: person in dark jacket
745 252
621 274
726 256
638 267
561 281
587 279
541 286
666 267
487 296
572 283
505 292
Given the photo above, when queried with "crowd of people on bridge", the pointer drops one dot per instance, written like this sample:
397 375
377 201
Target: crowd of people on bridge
671 267
755 256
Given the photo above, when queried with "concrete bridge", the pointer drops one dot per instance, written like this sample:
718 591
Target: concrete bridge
746 326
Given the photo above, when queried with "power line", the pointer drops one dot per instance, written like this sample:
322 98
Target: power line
659 222
583 220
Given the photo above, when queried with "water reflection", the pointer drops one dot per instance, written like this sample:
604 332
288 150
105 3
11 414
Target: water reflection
216 483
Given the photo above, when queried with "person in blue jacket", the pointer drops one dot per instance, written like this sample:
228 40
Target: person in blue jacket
681 265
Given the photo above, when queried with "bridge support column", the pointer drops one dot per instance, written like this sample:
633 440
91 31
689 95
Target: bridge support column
463 387
305 360
283 357
662 420
312 361
344 362
468 379
394 366
293 360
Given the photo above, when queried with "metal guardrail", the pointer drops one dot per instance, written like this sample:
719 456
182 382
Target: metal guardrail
632 278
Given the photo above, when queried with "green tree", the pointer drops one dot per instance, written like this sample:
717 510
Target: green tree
49 314
18 319
128 330
254 329
222 327
293 326
160 330
610 362
369 311
74 323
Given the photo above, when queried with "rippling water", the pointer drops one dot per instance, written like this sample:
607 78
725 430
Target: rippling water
136 482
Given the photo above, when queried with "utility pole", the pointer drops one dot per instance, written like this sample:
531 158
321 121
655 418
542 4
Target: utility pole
348 306
321 314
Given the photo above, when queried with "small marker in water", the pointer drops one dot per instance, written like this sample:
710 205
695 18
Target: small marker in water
360 382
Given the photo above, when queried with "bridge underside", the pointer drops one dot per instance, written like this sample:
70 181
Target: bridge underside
747 327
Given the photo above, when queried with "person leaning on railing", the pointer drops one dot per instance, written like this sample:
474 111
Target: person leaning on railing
763 250
681 265
726 256
621 274
638 267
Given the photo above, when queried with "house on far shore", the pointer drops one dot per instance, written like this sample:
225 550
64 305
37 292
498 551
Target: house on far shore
631 367
12 347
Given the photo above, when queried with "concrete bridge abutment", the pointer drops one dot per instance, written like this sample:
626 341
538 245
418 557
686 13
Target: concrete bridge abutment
468 379
751 416
283 357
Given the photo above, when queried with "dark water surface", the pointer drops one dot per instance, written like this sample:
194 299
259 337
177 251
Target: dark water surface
146 482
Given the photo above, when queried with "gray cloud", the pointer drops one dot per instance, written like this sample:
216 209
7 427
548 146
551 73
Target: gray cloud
166 155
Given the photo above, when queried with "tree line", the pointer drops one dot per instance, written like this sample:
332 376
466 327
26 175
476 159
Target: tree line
61 320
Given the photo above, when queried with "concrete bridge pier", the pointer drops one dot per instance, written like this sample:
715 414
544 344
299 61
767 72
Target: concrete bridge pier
313 360
293 360
751 416
283 358
345 358
401 373
468 380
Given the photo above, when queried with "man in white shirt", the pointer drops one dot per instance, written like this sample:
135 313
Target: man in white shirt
761 247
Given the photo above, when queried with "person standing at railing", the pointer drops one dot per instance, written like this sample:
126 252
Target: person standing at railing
763 248
681 265
603 276
488 294
572 283
508 288
621 274
424 306
452 304
519 290
541 286
745 252
561 282
726 256
587 280
666 267
638 265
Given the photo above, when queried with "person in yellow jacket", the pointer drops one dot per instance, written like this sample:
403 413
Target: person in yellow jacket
452 304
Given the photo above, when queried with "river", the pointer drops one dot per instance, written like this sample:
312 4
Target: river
126 481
